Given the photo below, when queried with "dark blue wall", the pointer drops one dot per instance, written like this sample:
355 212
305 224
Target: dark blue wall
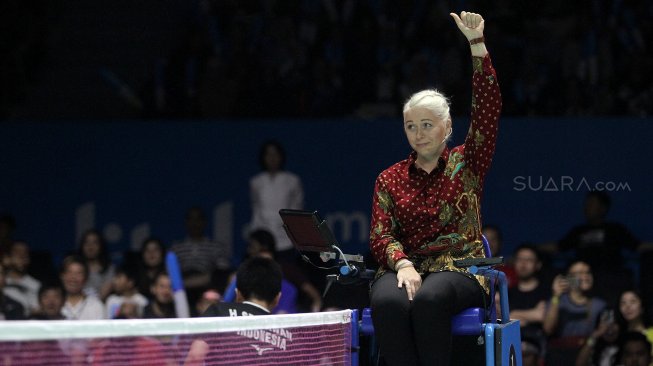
146 174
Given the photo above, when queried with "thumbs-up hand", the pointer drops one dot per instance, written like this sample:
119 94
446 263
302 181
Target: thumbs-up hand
471 24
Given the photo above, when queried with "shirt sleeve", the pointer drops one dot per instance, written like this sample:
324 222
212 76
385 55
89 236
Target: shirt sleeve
384 232
486 108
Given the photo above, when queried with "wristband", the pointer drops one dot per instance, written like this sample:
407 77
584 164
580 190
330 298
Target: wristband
555 300
404 264
477 41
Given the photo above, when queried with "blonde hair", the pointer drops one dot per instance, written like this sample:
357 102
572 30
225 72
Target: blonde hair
432 100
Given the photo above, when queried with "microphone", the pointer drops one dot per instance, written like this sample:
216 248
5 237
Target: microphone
446 137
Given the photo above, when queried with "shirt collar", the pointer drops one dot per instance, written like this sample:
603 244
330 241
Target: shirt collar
257 305
442 160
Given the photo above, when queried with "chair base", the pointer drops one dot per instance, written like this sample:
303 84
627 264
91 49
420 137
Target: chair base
503 344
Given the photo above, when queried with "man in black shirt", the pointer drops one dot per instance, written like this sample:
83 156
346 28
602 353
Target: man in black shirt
258 290
528 297
599 242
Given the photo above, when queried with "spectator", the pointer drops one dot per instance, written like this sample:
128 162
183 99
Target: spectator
162 303
78 305
10 309
51 298
124 291
129 310
94 252
601 347
635 350
151 264
599 243
271 190
261 244
495 240
572 312
633 314
201 260
528 297
209 297
258 290
18 283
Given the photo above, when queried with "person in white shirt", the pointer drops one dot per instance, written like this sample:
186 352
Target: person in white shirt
77 305
93 250
125 291
271 190
18 284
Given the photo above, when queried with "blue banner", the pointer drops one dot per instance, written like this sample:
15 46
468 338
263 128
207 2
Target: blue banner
132 179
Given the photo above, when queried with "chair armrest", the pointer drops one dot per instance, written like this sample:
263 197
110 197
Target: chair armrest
503 287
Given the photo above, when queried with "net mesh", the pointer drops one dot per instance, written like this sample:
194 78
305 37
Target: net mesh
299 339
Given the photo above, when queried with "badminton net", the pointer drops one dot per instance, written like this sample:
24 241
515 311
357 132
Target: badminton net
294 339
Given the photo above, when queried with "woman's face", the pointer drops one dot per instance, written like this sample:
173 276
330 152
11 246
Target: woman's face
73 278
91 246
152 256
425 132
583 273
630 306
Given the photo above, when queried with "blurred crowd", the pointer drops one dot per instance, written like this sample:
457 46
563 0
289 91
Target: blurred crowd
324 58
583 300
332 58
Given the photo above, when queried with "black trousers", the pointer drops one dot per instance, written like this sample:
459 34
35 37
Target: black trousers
419 332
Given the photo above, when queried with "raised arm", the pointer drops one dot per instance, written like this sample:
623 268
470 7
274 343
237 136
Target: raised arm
486 97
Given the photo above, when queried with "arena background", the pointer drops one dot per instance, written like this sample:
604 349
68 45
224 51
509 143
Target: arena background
135 178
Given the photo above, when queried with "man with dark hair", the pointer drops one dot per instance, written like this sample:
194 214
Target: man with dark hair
528 297
635 350
51 298
258 290
262 244
162 303
78 305
598 241
124 292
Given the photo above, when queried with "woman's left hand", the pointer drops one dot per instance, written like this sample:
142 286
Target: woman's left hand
471 24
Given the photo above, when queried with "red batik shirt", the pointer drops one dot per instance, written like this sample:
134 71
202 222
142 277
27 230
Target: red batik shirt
434 218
